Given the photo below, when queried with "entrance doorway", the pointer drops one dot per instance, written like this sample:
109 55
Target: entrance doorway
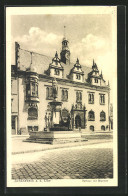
77 121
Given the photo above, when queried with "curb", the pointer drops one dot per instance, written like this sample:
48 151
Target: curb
61 146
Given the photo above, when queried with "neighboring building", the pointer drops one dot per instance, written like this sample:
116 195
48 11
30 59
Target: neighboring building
81 90
111 116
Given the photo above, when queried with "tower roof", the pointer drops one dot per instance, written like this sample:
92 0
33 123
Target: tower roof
56 57
77 64
94 66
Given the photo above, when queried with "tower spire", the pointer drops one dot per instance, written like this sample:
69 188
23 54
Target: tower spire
31 60
64 31
65 52
93 62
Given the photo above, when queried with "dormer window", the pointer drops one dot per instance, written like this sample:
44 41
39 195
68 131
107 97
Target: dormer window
57 72
76 73
78 77
94 77
96 80
55 68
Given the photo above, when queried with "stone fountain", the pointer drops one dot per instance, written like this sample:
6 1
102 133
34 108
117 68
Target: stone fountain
50 135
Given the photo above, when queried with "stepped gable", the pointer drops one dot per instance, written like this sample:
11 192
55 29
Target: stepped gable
41 63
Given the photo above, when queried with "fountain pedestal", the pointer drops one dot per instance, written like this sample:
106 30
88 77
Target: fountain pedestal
55 137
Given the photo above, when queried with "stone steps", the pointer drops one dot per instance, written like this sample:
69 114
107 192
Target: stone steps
55 140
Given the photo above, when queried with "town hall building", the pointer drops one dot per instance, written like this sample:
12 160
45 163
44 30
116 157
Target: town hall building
57 95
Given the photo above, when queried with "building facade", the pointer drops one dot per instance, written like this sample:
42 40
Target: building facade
82 95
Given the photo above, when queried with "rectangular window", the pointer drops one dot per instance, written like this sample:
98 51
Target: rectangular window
91 98
96 80
28 92
102 99
78 77
57 72
31 128
32 89
64 96
78 97
35 128
13 122
49 93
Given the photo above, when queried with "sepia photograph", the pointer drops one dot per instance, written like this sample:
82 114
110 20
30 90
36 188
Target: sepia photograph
61 87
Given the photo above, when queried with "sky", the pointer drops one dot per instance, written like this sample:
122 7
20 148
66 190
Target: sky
90 37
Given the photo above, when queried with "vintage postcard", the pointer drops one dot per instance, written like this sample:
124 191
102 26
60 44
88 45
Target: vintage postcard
61 85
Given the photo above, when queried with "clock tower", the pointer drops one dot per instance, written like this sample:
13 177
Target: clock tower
65 52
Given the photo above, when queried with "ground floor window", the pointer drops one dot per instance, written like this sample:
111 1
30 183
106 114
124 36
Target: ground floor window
32 128
35 128
13 122
103 127
92 128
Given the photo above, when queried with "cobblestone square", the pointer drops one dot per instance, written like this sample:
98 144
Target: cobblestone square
68 163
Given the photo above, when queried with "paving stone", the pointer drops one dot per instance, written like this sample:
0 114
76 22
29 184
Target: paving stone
84 163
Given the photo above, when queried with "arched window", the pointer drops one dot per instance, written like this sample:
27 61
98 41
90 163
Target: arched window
91 116
102 116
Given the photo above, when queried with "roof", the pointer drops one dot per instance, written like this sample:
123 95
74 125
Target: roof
41 63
